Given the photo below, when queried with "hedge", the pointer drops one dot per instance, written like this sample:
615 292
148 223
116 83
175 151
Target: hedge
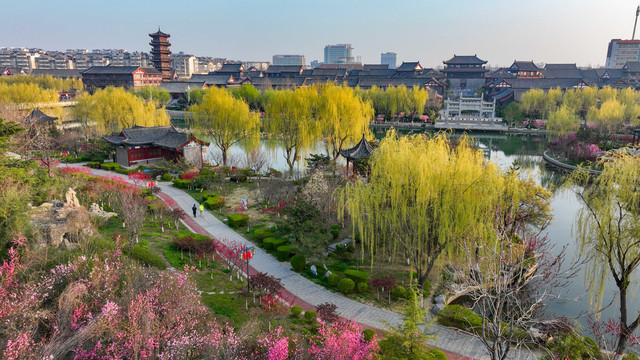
166 177
346 285
436 354
310 315
146 257
181 184
238 220
333 279
362 287
280 242
357 276
94 164
335 233
296 311
284 252
399 292
262 234
110 166
459 317
268 243
213 203
298 262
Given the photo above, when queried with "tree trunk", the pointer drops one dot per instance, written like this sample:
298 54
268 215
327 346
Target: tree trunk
224 156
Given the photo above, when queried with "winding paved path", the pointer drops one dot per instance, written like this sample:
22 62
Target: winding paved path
302 291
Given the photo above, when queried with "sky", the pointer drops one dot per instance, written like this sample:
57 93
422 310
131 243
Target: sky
498 31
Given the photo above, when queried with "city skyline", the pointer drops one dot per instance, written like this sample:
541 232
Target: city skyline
428 32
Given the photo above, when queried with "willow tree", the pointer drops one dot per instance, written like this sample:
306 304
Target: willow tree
610 115
563 120
227 120
424 197
417 100
532 103
608 229
112 109
344 116
291 122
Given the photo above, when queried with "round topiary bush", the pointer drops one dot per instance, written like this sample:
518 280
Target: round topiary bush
268 243
310 315
284 252
333 279
237 220
346 285
296 311
362 287
166 177
368 334
436 354
262 234
298 262
335 233
399 292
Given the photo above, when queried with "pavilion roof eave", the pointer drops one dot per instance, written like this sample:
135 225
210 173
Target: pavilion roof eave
362 149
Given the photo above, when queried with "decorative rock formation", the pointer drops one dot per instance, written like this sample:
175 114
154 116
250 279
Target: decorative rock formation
63 226
95 210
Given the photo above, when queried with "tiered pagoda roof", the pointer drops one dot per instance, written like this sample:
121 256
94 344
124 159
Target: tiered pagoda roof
362 149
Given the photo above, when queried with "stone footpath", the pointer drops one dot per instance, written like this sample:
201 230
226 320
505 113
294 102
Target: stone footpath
303 292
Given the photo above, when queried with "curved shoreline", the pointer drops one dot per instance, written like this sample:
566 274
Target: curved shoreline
566 167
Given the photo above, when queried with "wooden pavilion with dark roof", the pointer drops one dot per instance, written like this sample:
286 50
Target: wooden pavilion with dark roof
145 145
361 150
37 117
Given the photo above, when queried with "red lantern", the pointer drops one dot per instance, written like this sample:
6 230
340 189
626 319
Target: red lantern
244 255
250 254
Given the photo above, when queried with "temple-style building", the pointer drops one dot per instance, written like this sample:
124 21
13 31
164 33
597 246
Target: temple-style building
464 67
145 145
124 76
161 55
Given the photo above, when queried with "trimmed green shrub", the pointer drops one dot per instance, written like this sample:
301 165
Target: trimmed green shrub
573 346
238 220
336 227
333 279
357 276
459 317
110 166
399 292
146 257
280 242
368 334
335 234
284 252
181 184
310 315
94 164
268 243
346 285
436 354
238 178
166 177
298 262
362 287
261 234
296 311
122 171
214 203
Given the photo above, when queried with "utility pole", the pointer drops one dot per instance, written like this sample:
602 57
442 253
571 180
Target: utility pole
635 23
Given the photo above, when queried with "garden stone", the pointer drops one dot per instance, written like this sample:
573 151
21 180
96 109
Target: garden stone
436 308
440 299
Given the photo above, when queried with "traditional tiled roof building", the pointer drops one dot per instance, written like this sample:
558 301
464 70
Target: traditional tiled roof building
161 55
125 76
146 145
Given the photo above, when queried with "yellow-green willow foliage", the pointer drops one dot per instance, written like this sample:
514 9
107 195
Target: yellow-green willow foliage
113 109
563 120
424 197
533 103
394 100
291 122
26 93
47 82
227 120
608 227
344 116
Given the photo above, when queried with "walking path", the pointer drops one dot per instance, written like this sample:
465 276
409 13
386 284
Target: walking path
309 294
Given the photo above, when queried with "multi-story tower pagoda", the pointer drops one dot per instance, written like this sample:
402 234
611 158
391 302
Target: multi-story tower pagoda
161 55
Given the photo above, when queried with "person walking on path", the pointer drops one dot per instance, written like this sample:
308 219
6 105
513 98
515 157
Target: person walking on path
194 208
201 210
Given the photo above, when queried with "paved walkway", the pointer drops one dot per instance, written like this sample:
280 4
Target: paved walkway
302 291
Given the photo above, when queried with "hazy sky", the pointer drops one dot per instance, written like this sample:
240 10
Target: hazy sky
498 31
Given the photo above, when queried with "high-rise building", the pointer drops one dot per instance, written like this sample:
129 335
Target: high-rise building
161 55
289 60
185 65
388 58
338 54
622 51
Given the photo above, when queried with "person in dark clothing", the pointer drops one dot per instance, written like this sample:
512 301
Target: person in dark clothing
195 209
